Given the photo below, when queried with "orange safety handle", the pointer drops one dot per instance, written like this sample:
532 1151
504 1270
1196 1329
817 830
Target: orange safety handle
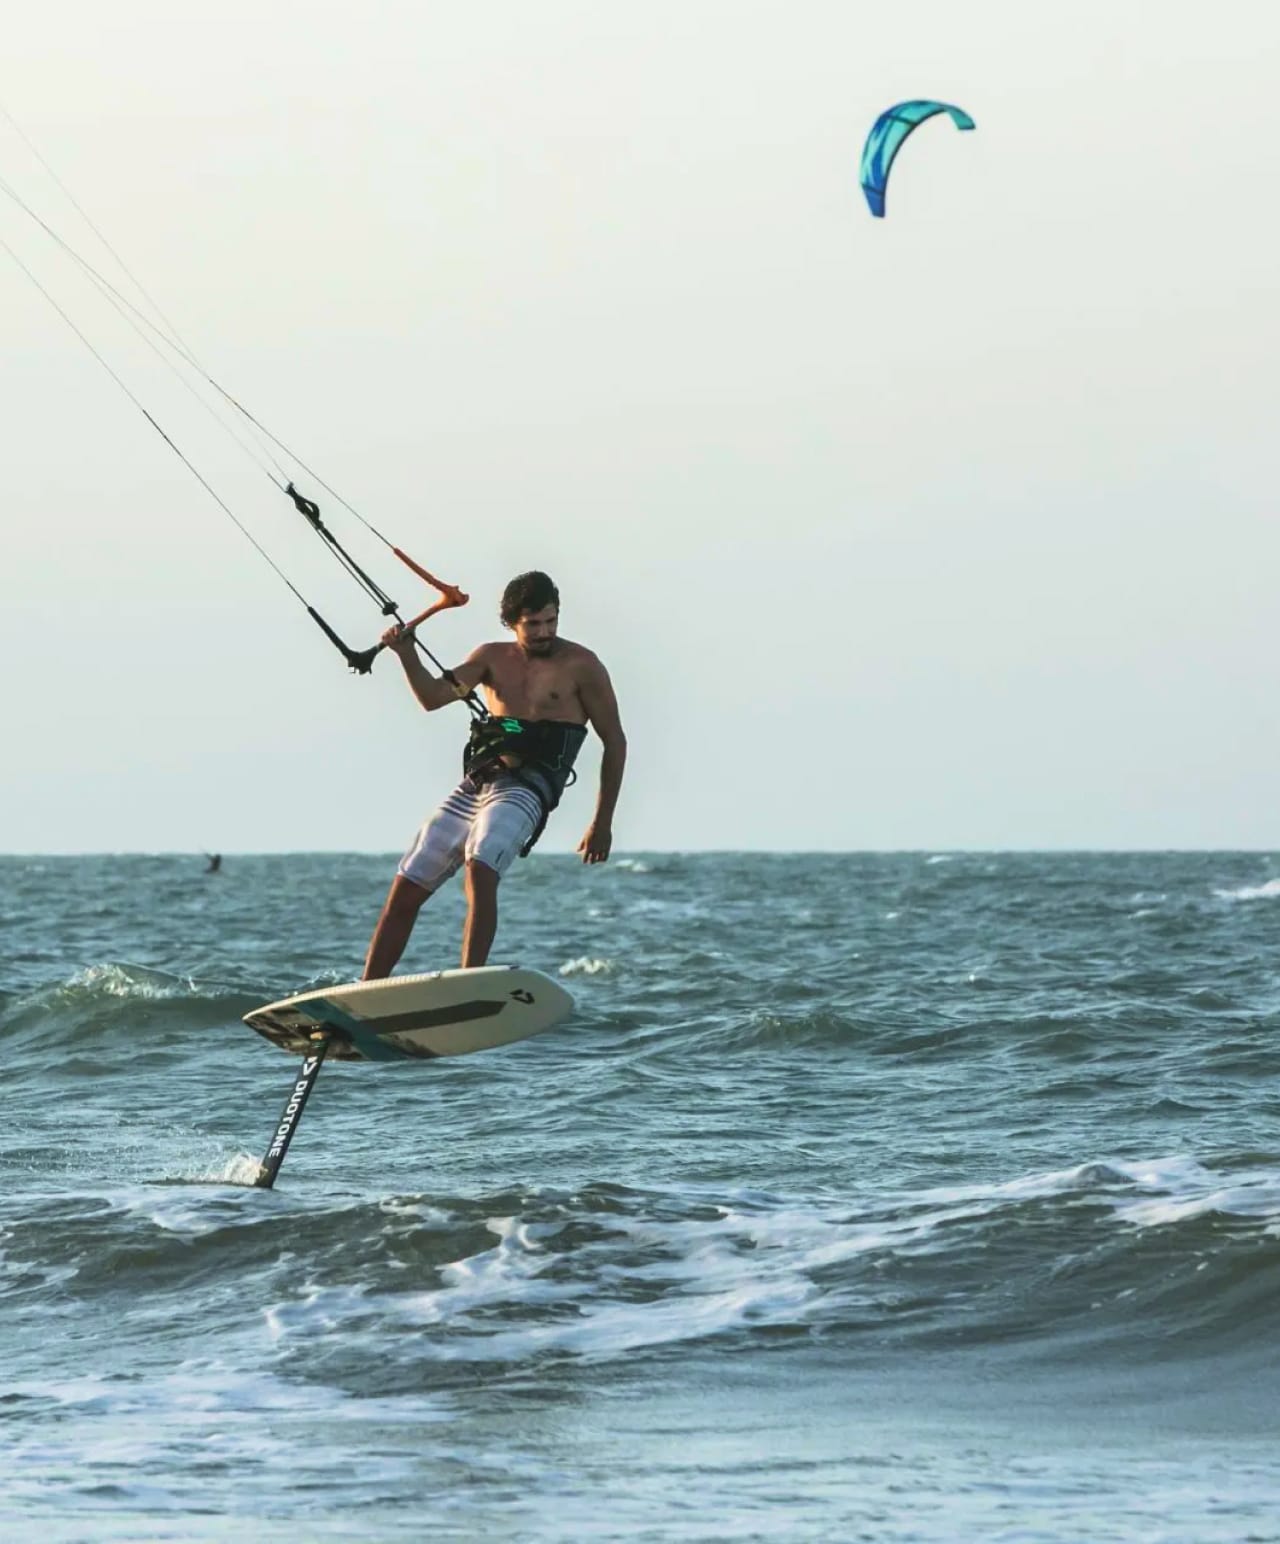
450 594
453 596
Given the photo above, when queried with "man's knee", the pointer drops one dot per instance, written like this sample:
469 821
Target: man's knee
406 896
482 878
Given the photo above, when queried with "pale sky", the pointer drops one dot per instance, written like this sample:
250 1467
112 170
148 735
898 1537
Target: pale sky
956 529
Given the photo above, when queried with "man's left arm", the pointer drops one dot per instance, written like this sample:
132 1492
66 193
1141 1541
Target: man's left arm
596 691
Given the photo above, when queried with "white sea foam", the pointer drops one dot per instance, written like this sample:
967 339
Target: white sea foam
194 1386
698 1288
133 981
183 1206
517 1299
1150 1193
624 1282
317 1310
243 1169
1252 1195
510 1268
1158 1173
232 1416
1264 892
584 965
409 1206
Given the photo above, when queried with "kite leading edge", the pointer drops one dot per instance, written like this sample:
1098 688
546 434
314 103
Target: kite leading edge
888 135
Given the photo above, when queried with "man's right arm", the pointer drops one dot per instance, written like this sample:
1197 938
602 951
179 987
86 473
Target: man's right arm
434 691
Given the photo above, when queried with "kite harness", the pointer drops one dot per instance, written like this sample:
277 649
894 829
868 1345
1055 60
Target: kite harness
538 752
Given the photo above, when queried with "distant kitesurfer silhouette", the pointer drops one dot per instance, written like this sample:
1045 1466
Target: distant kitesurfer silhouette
215 862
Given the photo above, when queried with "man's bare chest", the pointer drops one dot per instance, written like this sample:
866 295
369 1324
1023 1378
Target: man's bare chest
536 688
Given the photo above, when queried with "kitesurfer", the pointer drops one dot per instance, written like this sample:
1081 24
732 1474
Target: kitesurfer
541 691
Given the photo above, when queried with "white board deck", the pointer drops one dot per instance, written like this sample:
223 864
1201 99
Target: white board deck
444 1013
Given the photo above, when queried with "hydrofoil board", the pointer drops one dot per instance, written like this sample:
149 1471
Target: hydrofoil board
443 1013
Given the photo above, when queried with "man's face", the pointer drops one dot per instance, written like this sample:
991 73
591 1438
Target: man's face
536 630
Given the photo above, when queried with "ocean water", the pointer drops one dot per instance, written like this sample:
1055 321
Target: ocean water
886 1197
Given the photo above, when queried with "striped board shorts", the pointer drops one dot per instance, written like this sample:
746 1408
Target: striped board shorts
483 822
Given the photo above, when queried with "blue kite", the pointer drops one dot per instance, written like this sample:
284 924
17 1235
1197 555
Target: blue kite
888 135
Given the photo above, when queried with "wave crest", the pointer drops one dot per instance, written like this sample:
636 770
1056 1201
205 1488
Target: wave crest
102 1004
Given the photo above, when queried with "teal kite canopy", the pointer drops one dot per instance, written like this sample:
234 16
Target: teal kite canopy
888 135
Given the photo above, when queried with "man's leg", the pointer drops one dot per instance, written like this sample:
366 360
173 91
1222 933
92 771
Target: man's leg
482 913
400 912
508 814
432 860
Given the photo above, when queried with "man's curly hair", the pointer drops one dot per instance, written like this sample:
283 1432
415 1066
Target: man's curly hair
527 593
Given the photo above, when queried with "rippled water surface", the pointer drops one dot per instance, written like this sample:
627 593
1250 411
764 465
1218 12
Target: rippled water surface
896 1197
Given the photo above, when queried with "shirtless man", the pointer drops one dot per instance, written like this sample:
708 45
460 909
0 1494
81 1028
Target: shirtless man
541 692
